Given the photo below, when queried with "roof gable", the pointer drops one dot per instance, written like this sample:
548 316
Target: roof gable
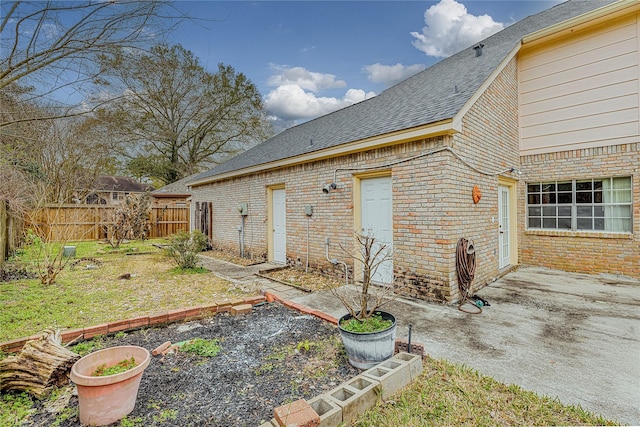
178 188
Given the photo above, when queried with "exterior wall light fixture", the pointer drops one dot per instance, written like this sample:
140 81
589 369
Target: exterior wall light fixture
327 188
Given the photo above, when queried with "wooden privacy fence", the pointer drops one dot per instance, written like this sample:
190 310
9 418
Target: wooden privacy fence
91 222
168 220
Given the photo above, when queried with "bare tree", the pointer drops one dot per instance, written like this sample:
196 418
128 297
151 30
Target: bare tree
56 157
15 198
13 190
51 47
71 156
369 297
174 117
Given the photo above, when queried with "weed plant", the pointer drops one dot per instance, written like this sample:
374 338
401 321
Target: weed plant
120 367
202 347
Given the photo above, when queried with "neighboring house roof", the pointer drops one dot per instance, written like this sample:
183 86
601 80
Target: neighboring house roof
434 95
119 183
175 189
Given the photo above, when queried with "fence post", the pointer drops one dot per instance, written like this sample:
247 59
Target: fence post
4 231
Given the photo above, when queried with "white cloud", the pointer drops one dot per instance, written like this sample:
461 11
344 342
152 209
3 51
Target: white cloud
292 102
297 95
450 28
392 74
304 78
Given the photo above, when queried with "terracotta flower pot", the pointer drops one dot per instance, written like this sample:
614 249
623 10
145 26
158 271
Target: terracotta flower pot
107 399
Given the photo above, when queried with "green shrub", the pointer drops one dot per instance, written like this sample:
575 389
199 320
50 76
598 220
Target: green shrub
184 248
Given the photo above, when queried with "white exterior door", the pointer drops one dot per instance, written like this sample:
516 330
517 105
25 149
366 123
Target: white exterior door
504 235
377 217
279 220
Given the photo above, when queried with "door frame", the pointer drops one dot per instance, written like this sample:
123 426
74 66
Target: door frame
357 212
511 186
270 232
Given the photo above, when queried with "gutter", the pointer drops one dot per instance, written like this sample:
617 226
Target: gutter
444 127
613 10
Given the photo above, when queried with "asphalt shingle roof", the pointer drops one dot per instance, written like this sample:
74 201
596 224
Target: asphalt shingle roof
175 188
427 97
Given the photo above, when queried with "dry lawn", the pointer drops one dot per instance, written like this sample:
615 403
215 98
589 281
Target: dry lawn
452 395
93 293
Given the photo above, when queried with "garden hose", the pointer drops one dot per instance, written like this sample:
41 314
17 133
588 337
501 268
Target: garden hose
466 268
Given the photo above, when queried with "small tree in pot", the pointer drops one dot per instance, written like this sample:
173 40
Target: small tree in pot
367 332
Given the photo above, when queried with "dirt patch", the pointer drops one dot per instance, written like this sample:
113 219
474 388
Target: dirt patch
225 255
13 273
269 357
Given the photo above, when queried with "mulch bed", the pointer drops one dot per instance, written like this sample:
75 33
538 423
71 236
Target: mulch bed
11 273
269 357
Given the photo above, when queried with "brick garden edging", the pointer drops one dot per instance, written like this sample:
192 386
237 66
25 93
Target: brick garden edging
171 316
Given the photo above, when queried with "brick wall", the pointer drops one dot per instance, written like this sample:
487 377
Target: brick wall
434 208
580 251
432 201
489 142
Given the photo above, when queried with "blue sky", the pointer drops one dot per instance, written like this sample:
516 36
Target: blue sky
309 58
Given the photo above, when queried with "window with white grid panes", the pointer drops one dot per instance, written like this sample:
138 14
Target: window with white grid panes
601 204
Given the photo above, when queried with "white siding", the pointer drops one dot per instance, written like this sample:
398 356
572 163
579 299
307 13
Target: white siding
582 91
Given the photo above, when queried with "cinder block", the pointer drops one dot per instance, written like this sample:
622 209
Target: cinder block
241 309
329 412
355 396
413 360
393 376
403 346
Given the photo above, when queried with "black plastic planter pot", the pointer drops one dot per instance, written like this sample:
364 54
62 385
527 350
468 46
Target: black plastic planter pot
367 349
